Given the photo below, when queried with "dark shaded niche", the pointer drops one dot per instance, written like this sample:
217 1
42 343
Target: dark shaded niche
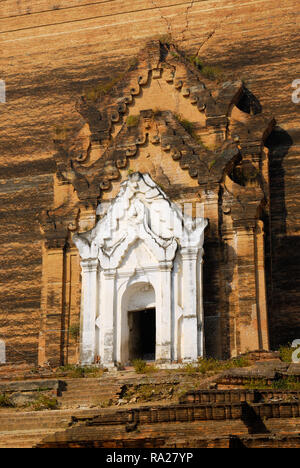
282 252
248 103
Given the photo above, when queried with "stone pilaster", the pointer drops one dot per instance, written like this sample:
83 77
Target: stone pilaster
248 323
107 329
200 306
262 311
88 310
190 321
163 314
53 307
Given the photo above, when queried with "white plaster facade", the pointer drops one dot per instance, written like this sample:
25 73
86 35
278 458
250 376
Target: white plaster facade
143 253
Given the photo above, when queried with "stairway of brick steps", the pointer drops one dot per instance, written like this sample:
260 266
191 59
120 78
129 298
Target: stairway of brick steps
180 435
89 392
181 425
24 430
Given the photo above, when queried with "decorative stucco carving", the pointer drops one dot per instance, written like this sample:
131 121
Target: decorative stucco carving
235 132
138 241
140 211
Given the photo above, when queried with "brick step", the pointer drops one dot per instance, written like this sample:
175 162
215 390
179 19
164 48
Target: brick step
82 396
74 383
34 422
191 412
236 396
24 439
118 433
87 400
195 434
41 419
86 392
88 385
289 440
89 392
99 389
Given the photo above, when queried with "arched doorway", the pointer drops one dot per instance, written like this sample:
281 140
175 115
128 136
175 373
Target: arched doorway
128 268
139 323
142 334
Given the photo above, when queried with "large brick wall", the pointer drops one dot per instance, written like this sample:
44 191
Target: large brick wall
52 50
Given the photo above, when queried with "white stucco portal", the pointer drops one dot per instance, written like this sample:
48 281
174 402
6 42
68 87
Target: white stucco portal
142 253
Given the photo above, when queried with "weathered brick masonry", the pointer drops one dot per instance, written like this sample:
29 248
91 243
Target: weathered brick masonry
52 51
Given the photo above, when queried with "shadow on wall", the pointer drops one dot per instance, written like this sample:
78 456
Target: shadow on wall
282 259
282 251
220 261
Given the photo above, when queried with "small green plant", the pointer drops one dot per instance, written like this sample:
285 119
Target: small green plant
211 164
106 403
92 372
286 353
94 93
187 125
139 366
5 401
289 383
74 331
190 128
145 392
80 372
44 403
132 120
253 384
205 365
211 73
190 368
149 392
150 369
240 361
208 71
195 60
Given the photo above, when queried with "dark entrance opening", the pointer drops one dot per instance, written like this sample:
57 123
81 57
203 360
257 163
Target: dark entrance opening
142 334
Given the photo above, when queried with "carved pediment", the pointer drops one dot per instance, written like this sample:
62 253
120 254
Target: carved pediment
202 150
163 101
142 212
